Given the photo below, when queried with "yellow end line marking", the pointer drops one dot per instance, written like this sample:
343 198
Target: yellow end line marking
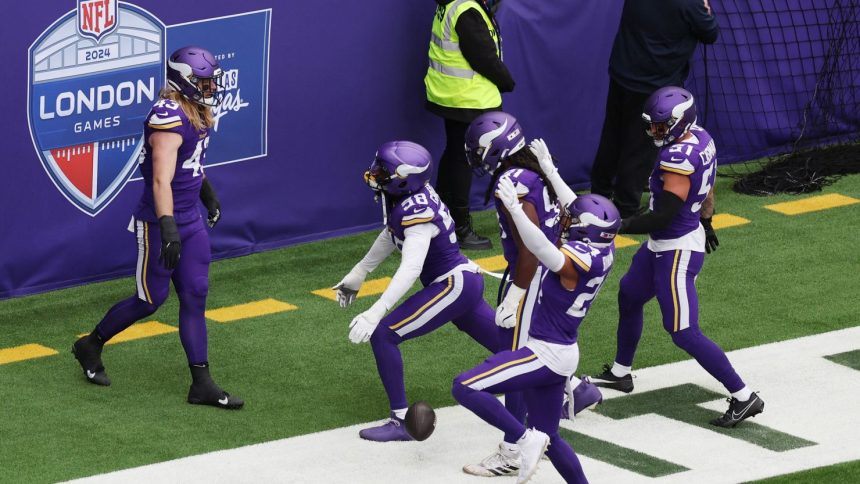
725 220
369 288
495 263
622 241
812 204
140 331
24 352
249 310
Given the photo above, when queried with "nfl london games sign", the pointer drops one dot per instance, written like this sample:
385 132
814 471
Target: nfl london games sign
95 73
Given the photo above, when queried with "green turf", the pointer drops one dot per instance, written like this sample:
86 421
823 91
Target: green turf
773 279
845 472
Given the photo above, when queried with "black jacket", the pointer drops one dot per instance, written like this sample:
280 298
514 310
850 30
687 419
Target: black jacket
478 48
655 41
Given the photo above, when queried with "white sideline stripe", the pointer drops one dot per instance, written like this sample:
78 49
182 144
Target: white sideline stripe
805 395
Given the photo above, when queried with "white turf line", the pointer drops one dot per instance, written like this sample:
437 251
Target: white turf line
805 394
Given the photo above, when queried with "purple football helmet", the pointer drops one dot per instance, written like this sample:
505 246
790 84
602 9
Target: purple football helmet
591 218
400 168
669 112
194 72
491 138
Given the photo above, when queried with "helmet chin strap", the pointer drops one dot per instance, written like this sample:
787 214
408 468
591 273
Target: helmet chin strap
381 194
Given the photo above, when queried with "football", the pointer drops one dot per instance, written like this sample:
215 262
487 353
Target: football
420 420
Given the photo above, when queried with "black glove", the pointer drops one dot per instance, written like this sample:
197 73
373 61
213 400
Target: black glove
711 241
210 200
170 243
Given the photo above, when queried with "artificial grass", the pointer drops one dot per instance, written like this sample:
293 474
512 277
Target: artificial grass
775 278
844 472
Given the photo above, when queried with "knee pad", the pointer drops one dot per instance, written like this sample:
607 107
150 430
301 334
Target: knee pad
199 286
458 390
143 309
384 335
158 299
625 289
686 338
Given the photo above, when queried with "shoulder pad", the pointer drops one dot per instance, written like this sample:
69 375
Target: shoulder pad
579 253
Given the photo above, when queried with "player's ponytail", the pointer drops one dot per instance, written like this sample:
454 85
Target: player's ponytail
198 115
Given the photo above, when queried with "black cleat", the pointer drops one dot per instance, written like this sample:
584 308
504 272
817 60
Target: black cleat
739 411
468 239
210 394
89 355
608 380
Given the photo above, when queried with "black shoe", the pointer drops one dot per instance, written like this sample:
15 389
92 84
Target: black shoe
89 355
468 239
738 411
211 394
608 380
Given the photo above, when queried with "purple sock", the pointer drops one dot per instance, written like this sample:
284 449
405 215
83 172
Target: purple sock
489 408
712 358
122 315
630 322
564 460
389 364
192 329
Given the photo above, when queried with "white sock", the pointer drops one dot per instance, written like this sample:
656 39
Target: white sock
743 394
620 370
400 413
510 449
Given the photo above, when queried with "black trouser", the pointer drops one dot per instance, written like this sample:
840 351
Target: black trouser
626 153
454 183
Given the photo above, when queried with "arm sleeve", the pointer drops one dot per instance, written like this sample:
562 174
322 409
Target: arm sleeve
562 190
380 250
666 207
537 243
478 48
703 24
415 247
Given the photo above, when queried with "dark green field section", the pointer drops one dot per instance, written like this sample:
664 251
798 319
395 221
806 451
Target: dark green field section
776 278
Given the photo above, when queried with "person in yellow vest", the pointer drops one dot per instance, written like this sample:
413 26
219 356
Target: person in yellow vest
465 78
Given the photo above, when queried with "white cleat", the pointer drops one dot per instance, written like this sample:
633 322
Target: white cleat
532 444
501 463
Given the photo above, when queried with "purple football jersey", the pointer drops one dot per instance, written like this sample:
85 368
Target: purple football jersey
424 206
530 188
167 116
560 311
695 157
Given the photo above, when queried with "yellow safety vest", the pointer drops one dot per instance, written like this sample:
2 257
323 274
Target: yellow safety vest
450 80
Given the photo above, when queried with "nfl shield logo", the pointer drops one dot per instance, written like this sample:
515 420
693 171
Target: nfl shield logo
89 94
97 18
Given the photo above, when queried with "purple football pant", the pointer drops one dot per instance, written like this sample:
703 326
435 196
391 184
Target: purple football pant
514 339
671 277
190 279
459 298
543 393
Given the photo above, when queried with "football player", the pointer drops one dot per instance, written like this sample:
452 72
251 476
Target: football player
419 225
542 369
679 233
172 242
496 144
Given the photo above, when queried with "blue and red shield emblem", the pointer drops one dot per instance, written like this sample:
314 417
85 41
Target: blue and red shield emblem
97 18
94 75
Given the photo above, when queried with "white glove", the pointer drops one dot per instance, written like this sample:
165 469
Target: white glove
362 326
506 313
562 190
347 289
540 150
507 193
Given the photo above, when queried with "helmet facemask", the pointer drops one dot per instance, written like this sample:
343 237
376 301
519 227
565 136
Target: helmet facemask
377 177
